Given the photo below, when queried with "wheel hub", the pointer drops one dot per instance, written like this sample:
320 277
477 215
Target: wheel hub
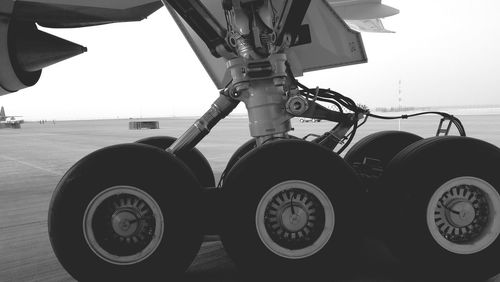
295 219
291 218
131 221
123 225
462 213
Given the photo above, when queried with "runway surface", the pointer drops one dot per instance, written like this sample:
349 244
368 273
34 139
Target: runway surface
33 159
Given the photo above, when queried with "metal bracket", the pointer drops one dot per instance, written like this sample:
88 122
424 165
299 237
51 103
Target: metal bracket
336 136
442 130
317 111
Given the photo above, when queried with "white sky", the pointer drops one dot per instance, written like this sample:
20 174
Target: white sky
444 52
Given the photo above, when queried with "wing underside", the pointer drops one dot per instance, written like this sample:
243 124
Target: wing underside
81 13
67 16
25 50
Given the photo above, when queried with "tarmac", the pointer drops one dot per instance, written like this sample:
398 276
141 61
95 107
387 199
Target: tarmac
34 158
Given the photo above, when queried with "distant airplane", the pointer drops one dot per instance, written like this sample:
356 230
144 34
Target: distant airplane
9 121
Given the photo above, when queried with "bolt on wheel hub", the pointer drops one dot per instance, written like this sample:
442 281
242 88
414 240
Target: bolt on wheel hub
123 225
462 215
295 219
294 222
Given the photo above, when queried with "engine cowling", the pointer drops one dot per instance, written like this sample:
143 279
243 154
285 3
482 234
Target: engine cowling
25 51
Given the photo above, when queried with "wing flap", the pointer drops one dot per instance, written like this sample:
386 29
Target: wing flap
370 25
363 15
362 9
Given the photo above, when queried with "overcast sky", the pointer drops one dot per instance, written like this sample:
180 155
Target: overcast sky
445 53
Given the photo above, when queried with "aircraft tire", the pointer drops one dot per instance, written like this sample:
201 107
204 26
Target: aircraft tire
322 227
193 158
442 208
380 147
241 152
116 215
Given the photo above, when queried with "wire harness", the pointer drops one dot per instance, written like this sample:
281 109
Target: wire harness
342 102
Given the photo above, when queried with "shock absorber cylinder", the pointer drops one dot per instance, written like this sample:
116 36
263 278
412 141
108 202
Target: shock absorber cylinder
223 106
260 85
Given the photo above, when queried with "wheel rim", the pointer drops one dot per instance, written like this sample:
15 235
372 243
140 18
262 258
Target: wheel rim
123 225
295 219
463 215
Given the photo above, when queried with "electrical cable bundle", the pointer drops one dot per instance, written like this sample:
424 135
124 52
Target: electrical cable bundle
458 124
340 101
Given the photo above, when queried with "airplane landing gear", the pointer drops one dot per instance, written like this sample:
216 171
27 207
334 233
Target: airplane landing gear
287 207
126 213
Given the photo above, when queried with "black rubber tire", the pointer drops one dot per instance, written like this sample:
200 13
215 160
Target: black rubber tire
407 185
140 166
240 152
193 158
382 146
273 163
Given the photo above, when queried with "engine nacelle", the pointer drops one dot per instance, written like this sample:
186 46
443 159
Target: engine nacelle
25 51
